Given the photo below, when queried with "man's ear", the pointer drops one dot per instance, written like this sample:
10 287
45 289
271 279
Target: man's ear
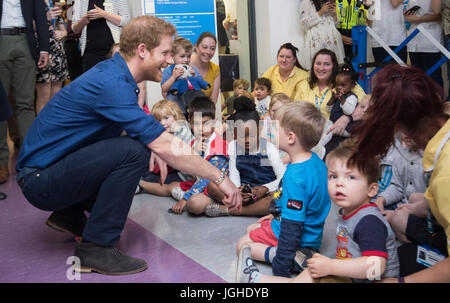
373 190
141 50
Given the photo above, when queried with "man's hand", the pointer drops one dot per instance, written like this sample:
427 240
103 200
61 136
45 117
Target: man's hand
232 196
43 60
318 265
154 159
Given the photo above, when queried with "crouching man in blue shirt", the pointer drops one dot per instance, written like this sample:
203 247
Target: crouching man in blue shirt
74 159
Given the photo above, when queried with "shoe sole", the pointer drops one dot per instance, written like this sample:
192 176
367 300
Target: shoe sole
238 266
84 269
60 229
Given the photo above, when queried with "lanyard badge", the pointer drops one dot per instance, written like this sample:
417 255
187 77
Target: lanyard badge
321 100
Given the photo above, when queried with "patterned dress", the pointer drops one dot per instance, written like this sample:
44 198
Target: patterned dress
56 69
318 32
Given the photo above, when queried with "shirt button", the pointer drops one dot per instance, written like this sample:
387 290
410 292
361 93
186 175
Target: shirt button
412 163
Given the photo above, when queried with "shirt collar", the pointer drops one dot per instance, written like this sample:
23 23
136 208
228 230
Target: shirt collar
122 65
292 74
324 91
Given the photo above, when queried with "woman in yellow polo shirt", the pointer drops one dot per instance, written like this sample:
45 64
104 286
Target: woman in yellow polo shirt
287 74
319 86
405 99
205 48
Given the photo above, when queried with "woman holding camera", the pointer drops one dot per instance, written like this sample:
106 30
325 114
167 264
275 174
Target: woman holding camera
318 22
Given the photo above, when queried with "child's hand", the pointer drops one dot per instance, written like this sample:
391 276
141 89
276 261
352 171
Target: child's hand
318 265
200 146
192 71
179 206
177 72
268 217
246 197
260 191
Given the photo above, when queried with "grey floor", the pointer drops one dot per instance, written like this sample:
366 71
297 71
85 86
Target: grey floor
208 241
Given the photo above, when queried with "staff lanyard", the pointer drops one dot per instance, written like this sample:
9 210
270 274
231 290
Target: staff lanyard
321 100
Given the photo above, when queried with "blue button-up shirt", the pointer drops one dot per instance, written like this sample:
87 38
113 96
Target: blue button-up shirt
98 105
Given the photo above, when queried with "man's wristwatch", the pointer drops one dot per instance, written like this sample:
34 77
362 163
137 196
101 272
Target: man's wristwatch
220 179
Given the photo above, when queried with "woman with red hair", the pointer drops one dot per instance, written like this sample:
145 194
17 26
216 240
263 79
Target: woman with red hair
405 99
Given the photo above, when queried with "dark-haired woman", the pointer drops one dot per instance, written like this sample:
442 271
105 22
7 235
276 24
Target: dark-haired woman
318 22
287 74
205 48
418 113
100 23
255 164
321 81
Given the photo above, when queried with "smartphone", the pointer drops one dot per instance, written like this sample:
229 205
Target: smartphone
247 189
412 10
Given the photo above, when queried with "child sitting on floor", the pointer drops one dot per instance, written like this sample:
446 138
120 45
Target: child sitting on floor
197 195
270 126
262 91
169 114
366 246
255 164
403 177
239 86
302 195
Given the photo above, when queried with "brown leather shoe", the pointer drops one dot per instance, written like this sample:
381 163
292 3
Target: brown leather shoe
4 174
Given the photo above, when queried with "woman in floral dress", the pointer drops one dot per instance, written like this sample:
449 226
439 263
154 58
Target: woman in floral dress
318 21
49 80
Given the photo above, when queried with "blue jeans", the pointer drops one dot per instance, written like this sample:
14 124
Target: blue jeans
101 177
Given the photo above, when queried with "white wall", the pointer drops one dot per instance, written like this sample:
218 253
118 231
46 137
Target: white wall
230 6
277 22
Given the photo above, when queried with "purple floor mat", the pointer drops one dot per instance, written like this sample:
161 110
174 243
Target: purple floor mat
32 252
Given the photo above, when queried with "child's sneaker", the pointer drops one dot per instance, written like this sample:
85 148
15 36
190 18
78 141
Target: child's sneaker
214 210
301 256
139 189
246 271
177 193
